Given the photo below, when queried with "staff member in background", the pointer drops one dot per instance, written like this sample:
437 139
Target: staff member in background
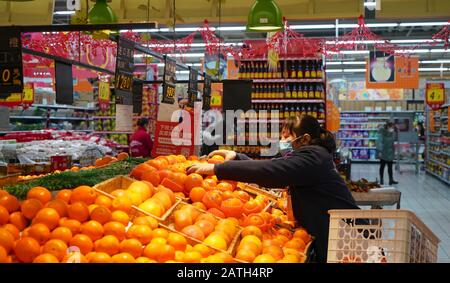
140 143
386 151
309 172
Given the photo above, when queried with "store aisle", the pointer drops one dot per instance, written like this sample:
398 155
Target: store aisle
423 194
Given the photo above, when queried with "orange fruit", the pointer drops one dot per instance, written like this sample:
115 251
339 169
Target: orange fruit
216 159
227 195
160 241
84 194
46 258
101 214
164 198
122 203
252 230
216 242
145 189
296 244
177 241
59 205
208 217
196 193
103 201
232 207
27 249
142 233
192 257
157 164
99 257
179 256
140 169
179 178
92 229
153 250
108 244
123 258
152 177
160 233
9 202
302 234
146 220
64 195
122 156
168 183
73 225
6 239
131 246
243 196
194 232
40 193
30 207
245 255
121 217
115 229
225 186
193 180
119 193
13 230
206 226
209 184
56 247
285 232
4 215
83 242
167 252
216 212
199 205
144 259
78 211
250 246
226 258
62 233
47 216
153 206
212 199
264 258
40 232
274 251
282 239
252 206
17 219
169 192
192 211
253 239
182 219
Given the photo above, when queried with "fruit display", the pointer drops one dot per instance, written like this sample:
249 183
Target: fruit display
362 186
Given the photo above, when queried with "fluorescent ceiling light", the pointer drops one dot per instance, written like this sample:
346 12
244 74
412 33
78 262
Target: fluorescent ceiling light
355 52
183 72
139 30
439 50
415 40
138 55
322 26
370 4
354 70
188 55
433 69
435 62
333 63
333 70
423 24
412 51
347 25
238 28
354 62
64 13
382 25
331 42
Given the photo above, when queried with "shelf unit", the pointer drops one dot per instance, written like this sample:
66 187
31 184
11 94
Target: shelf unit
296 86
438 144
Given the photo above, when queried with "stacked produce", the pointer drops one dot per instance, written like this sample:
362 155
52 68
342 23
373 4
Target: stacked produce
362 186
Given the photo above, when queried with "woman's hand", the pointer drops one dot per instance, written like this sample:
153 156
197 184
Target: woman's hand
226 154
202 169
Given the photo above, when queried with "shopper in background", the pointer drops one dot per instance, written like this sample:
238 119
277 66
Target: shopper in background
309 172
386 151
141 144
287 135
420 131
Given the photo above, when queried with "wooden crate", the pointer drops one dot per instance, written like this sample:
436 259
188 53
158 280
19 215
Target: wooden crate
122 183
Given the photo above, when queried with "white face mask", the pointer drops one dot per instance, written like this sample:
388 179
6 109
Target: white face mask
391 130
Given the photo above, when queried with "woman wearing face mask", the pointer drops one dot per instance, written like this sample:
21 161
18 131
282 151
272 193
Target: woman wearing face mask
386 151
287 135
308 171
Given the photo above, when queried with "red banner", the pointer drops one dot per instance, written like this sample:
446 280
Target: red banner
163 141
435 95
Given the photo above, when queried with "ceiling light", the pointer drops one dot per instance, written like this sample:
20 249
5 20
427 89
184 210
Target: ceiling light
64 13
182 72
354 62
423 24
354 70
240 28
415 40
188 55
333 70
433 69
439 50
435 62
355 52
333 63
382 25
324 26
264 16
412 51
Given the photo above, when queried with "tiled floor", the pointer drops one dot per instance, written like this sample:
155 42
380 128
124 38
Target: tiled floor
423 194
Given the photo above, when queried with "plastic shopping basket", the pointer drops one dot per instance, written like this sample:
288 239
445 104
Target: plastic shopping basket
392 236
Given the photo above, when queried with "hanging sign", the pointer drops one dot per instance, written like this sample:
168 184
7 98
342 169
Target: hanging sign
104 95
124 71
28 95
138 89
192 87
170 68
206 93
11 73
435 95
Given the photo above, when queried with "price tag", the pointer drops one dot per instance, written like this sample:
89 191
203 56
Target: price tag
124 67
11 75
28 95
170 67
435 95
216 100
192 87
103 91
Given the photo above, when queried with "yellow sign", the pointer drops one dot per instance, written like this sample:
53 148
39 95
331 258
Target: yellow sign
28 95
435 95
13 97
216 100
103 91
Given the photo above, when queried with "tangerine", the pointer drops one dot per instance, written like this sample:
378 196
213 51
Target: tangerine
193 180
115 229
56 247
84 194
9 202
47 216
246 255
46 258
13 230
40 232
4 215
27 249
199 205
252 230
62 233
216 242
30 207
18 219
131 246
98 257
182 219
196 194
83 242
177 241
194 232
192 257
122 203
108 244
40 193
93 229
142 233
59 205
73 225
6 239
103 201
264 258
152 177
101 214
160 233
121 217
146 220
209 184
78 211
206 226
123 258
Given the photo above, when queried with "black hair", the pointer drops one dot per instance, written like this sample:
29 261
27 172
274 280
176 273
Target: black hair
388 125
307 124
142 122
289 124
421 129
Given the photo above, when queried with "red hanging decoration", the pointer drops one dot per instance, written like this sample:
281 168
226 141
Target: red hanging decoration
442 34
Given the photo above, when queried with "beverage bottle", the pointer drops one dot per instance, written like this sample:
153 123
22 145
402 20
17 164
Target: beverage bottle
317 92
286 111
293 70
303 109
281 112
285 70
310 92
321 113
260 71
314 112
313 70
319 69
278 71
292 111
288 92
309 110
305 92
264 70
307 72
300 70
294 91
298 112
322 93
274 91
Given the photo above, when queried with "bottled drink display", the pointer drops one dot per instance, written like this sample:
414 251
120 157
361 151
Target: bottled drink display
290 69
288 91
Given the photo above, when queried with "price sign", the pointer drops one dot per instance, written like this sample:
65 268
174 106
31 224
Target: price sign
11 74
207 93
206 103
104 94
124 71
435 95
28 95
192 87
216 100
170 68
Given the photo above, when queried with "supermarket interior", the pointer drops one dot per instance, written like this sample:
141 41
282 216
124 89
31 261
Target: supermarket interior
251 131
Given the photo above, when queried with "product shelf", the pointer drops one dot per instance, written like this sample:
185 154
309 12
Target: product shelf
357 138
438 176
55 106
272 81
361 147
439 163
355 129
112 132
288 101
